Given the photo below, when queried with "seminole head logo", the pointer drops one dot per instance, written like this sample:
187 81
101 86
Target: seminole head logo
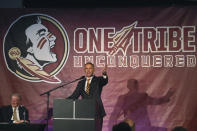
36 48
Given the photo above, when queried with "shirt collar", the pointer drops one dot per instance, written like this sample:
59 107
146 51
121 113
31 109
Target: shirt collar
15 107
90 77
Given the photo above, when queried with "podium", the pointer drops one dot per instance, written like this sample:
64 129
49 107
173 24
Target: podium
78 115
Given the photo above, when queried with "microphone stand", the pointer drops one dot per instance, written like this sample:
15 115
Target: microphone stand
53 89
24 115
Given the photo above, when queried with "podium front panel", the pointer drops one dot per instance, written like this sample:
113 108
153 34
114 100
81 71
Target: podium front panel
78 115
63 108
85 108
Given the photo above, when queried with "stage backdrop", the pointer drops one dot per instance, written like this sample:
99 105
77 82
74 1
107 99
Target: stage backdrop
150 53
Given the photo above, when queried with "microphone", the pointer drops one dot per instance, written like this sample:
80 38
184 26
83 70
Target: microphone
82 77
24 113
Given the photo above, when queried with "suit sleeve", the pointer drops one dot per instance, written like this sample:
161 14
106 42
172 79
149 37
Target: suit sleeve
6 114
26 114
23 113
75 95
103 81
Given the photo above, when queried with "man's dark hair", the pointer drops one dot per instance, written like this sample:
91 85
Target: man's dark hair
122 126
179 128
16 35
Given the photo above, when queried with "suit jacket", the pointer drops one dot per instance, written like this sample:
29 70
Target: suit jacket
96 87
7 112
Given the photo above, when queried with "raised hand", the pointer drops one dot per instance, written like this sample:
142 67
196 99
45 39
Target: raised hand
104 72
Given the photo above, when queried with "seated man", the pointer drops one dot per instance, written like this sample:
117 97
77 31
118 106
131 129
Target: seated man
14 113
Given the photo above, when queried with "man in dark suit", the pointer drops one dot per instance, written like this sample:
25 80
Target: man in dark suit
14 113
91 88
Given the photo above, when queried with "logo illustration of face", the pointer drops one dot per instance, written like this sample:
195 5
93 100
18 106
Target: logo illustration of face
42 43
30 49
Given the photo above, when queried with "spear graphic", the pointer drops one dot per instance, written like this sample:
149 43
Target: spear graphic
122 39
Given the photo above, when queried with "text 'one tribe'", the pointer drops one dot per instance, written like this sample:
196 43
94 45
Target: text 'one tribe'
141 39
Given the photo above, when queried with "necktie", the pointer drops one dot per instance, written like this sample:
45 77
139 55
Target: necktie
88 87
14 114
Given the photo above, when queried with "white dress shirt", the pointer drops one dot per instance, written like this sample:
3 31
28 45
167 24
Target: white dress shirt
91 80
17 114
87 81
